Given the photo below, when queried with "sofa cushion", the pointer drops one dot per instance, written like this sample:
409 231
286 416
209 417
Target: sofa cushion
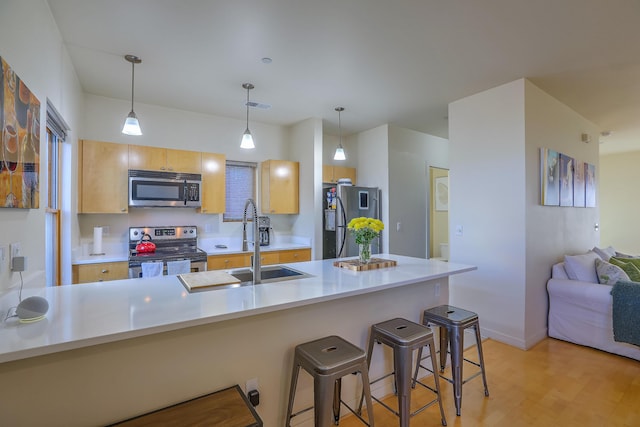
609 274
629 266
582 267
605 253
558 271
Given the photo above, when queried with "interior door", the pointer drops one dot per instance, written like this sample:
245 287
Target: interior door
439 213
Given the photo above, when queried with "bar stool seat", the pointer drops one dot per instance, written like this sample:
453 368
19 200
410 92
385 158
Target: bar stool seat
404 336
452 321
327 360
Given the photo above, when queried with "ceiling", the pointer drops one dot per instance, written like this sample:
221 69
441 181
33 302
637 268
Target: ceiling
399 62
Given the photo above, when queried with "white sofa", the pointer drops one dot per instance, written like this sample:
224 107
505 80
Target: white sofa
580 312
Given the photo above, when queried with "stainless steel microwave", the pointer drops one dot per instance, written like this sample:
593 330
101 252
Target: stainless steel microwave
164 189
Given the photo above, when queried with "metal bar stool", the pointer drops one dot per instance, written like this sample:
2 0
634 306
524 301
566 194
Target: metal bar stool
404 336
452 322
327 360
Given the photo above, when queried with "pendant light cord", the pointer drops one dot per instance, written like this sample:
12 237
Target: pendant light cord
247 104
340 127
133 67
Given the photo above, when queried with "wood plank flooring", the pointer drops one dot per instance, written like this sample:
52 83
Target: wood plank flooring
553 384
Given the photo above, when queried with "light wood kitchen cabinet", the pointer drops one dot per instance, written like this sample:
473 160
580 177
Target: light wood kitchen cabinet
164 159
103 177
279 187
332 173
213 183
271 257
100 272
294 255
226 261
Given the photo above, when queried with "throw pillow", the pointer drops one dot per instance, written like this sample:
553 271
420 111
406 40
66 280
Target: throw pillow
605 253
609 274
630 268
623 255
582 267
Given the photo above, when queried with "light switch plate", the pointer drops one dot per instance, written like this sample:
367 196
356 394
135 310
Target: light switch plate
3 258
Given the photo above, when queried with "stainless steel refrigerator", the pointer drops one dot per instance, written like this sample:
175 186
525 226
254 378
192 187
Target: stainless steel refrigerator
350 202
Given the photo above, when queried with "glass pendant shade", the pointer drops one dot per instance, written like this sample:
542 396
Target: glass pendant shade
247 140
339 155
131 125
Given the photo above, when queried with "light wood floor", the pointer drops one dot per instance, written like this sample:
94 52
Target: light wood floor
553 384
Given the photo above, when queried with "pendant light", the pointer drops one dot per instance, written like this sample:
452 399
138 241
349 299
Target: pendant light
247 139
339 155
131 124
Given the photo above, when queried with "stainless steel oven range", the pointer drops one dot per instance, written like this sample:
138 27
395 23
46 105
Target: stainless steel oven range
175 247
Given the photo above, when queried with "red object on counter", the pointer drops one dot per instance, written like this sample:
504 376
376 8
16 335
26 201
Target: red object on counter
145 245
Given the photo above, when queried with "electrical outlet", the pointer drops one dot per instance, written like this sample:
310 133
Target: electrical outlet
105 230
252 384
16 250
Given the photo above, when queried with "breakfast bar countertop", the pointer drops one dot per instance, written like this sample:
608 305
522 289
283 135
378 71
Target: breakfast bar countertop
102 312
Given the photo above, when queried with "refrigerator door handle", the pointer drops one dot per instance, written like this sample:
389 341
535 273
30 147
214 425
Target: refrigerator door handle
342 226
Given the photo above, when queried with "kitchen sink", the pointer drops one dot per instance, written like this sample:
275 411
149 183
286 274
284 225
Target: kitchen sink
270 273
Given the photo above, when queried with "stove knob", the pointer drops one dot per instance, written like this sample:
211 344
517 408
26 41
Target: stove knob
135 233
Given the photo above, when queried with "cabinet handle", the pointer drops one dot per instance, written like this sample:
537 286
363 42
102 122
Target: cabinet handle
295 255
100 280
105 271
162 168
123 209
226 261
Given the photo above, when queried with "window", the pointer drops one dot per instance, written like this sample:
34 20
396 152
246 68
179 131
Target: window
240 186
56 134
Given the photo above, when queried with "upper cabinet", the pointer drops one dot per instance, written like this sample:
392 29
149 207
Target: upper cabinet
164 159
103 172
279 187
213 183
332 174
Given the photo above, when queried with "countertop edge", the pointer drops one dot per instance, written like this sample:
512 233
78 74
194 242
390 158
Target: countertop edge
177 325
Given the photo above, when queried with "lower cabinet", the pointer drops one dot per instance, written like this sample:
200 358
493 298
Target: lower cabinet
294 255
100 272
224 262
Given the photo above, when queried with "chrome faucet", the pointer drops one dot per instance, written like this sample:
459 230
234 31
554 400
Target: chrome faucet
256 245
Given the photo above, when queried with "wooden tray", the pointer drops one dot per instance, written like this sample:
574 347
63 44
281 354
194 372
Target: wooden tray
205 279
374 264
224 408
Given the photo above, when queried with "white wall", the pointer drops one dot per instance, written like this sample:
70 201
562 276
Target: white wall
486 198
619 225
495 137
410 155
373 169
552 232
306 147
31 43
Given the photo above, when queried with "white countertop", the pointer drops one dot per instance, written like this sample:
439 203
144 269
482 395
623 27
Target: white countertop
95 313
116 253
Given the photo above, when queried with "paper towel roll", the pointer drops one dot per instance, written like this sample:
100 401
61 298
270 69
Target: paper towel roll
97 241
